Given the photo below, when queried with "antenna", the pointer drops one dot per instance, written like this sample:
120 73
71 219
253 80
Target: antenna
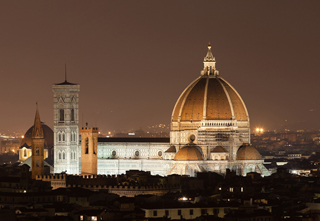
65 72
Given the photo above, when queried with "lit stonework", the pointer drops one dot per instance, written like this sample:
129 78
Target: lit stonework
210 131
66 128
89 150
212 111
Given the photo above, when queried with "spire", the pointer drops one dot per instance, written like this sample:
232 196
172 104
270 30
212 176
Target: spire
209 57
209 63
37 131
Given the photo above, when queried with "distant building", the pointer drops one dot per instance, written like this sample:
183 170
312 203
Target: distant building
9 145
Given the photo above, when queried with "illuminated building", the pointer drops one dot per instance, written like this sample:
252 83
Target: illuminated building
66 127
210 131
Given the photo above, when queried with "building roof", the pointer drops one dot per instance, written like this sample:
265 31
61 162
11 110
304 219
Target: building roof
247 152
25 145
172 149
219 149
209 97
188 152
135 139
65 83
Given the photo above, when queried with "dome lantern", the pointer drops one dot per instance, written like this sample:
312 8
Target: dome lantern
209 64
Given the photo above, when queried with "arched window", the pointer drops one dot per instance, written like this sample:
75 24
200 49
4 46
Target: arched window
74 155
63 156
63 137
59 156
59 136
25 153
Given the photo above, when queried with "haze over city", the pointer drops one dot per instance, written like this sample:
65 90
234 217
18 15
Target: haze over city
133 59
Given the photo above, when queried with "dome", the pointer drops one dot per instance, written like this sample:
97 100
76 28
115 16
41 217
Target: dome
209 97
189 152
47 132
246 152
219 149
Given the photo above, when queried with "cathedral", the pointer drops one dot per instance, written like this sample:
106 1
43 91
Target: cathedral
210 131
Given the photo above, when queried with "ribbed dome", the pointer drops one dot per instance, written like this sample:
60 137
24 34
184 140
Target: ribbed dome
209 98
47 132
246 152
188 152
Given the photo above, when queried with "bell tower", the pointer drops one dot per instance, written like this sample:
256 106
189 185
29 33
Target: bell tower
37 147
89 148
66 127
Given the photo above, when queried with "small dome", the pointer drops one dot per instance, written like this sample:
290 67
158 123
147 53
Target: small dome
47 132
246 152
189 152
219 149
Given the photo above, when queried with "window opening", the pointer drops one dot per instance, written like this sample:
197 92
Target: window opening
61 114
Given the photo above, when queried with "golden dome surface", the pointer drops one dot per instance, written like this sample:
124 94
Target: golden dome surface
209 97
188 152
246 152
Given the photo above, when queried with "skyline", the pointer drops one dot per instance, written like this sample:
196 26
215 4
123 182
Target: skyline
134 59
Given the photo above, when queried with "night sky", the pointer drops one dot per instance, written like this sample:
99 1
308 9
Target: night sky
133 59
